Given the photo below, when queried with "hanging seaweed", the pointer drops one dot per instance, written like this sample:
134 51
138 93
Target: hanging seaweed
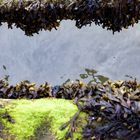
35 15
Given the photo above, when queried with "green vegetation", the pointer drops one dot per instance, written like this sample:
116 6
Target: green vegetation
29 115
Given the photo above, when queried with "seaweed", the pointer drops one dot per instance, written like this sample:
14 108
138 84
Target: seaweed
33 16
112 110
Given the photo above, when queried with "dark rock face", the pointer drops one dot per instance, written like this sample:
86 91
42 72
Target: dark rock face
65 53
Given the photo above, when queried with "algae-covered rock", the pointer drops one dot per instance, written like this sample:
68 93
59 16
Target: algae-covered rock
35 119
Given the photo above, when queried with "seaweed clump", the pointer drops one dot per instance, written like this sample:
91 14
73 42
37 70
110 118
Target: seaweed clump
33 16
112 112
68 90
26 89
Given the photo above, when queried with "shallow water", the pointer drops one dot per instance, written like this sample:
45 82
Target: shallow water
58 55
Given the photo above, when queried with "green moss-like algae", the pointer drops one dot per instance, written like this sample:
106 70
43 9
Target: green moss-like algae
30 114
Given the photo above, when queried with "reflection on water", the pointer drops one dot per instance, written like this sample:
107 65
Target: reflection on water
92 77
58 55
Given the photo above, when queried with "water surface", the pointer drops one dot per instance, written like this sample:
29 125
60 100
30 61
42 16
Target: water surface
58 55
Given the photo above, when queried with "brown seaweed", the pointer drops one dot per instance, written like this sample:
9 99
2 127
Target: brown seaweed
113 111
33 16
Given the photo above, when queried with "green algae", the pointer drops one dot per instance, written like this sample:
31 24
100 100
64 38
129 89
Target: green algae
31 114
